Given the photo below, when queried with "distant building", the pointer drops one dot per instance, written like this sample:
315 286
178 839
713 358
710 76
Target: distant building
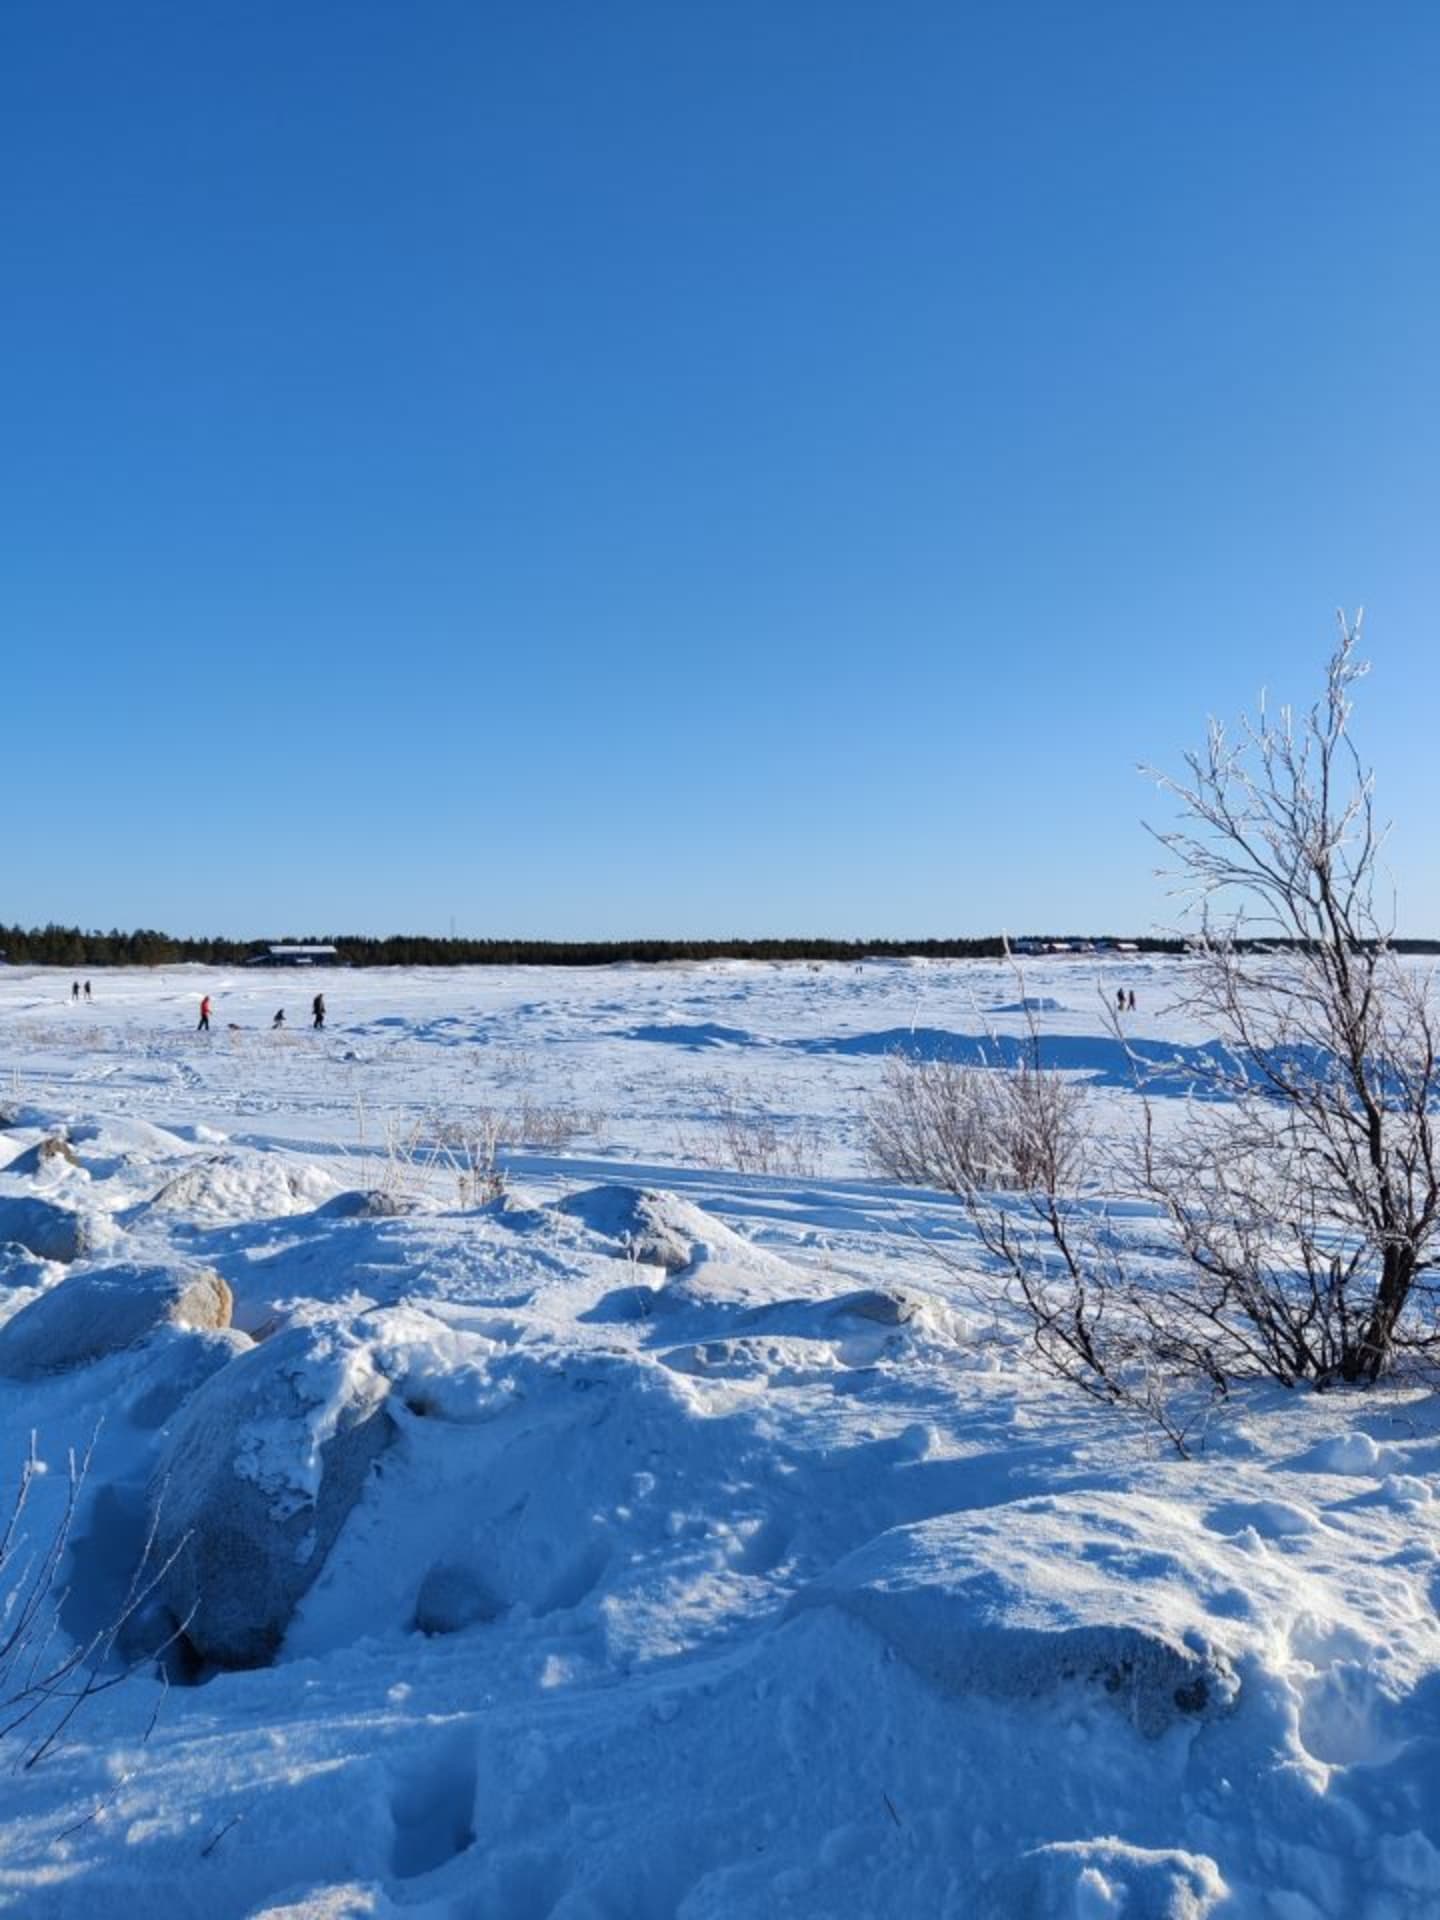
293 956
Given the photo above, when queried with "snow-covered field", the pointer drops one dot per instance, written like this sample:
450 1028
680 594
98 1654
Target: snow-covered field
615 1556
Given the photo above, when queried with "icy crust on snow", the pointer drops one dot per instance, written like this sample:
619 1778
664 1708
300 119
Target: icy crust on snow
1091 1590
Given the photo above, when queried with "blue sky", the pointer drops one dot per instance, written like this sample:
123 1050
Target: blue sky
696 468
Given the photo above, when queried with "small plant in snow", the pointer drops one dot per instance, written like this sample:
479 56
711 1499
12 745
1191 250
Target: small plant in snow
46 1676
741 1132
467 1150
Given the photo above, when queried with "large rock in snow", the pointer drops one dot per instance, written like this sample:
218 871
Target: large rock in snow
257 1477
53 1155
50 1231
369 1203
705 1266
178 1366
1018 1601
91 1314
655 1228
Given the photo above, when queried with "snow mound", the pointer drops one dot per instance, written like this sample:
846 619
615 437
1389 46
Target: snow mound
21 1270
1019 1601
352 1901
1347 1453
243 1187
129 1138
256 1479
1105 1880
89 1315
707 1268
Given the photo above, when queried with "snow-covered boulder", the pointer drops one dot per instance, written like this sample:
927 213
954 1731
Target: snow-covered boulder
1021 1600
369 1203
243 1187
885 1306
105 1311
652 1227
52 1155
706 1268
52 1232
257 1476
180 1365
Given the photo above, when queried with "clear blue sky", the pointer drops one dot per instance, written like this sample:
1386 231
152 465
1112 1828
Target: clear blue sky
696 468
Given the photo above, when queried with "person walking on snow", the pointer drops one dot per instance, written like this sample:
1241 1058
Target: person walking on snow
279 1019
204 1026
318 1009
88 994
75 990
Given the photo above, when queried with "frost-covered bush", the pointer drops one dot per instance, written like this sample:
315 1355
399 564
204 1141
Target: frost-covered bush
1305 1194
964 1129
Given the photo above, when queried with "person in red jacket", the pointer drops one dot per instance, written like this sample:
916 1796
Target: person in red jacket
204 1026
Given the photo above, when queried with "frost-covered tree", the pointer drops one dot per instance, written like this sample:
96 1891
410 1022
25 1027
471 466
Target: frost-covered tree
1305 1192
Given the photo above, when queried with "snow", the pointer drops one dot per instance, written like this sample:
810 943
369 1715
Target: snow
725 1557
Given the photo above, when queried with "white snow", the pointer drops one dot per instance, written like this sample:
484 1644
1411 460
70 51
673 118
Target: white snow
727 1559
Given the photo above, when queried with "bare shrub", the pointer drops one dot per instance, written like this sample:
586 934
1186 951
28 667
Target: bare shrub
740 1131
1301 1186
1015 1144
935 1123
515 1066
551 1127
1305 1194
1096 1320
472 1152
431 1153
46 1675
464 1150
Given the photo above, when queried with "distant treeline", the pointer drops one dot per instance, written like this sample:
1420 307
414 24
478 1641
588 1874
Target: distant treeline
56 946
